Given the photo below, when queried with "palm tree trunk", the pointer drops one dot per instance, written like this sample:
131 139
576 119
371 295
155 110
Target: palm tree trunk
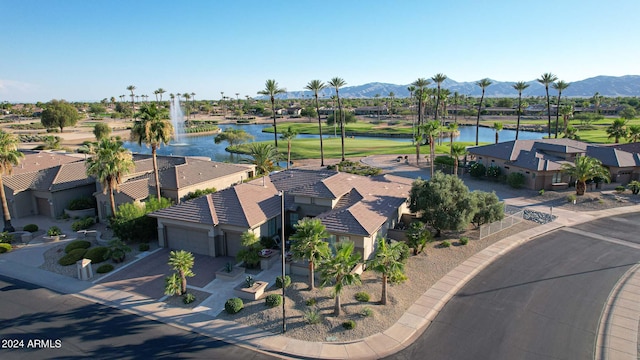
478 118
455 165
519 111
155 170
336 306
288 153
548 112
558 112
5 209
383 297
275 128
311 276
112 200
432 153
320 130
581 187
497 136
183 280
342 132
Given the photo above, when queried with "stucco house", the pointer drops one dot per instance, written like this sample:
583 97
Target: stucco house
352 207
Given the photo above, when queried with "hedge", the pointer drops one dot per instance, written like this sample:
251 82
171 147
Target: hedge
97 254
77 244
72 257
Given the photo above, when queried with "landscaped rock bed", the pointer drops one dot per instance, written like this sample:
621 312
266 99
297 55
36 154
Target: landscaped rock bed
176 301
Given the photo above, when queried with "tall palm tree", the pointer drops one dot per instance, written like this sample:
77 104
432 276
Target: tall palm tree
566 111
264 156
420 90
111 162
182 262
186 97
316 86
271 89
154 130
497 127
133 104
9 157
308 243
559 85
547 79
193 102
337 83
289 135
160 92
457 150
438 79
520 86
411 90
484 83
617 130
388 261
452 129
431 129
634 133
456 97
597 98
338 269
585 168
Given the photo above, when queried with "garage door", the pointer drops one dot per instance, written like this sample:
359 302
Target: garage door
233 243
194 241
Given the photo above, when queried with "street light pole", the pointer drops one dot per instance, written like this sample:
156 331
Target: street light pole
282 246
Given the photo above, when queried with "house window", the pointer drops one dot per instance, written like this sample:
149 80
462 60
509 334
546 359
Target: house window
557 177
506 167
332 243
293 219
343 238
272 226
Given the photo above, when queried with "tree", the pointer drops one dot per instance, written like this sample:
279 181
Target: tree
489 208
438 79
337 83
484 83
101 131
316 86
420 92
634 133
431 129
571 133
452 129
182 262
628 113
339 270
154 131
457 150
289 135
520 86
388 261
9 157
418 236
59 114
233 136
546 79
497 127
264 156
560 85
133 103
109 165
308 244
443 202
617 130
271 89
251 249
585 168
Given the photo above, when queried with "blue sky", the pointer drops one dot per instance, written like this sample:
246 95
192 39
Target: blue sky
86 50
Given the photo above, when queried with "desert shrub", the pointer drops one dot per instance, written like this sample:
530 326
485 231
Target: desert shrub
198 193
444 160
571 198
77 244
310 302
477 170
97 254
30 228
366 312
143 247
349 324
54 231
362 296
6 238
445 244
4 247
464 240
494 172
83 224
287 281
273 300
620 189
515 180
541 192
82 203
233 305
104 268
634 186
72 257
188 298
312 316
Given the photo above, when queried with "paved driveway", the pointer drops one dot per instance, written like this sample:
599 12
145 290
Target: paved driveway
146 276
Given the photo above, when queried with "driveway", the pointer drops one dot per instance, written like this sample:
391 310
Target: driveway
146 276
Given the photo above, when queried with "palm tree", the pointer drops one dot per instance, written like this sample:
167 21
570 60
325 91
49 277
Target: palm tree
618 130
456 97
186 97
271 89
420 87
388 261
338 269
452 129
457 150
9 157
289 135
411 90
160 92
566 111
182 262
585 168
109 165
337 83
559 85
520 86
634 133
597 98
133 104
264 156
308 244
317 86
497 126
431 129
438 79
153 130
571 133
546 79
484 83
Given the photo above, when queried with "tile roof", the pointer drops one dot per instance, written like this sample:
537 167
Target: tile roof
33 162
611 156
194 171
200 210
56 178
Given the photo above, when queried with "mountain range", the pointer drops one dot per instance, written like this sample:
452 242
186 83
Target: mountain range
609 86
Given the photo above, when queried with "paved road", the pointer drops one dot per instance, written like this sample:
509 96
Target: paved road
91 331
540 301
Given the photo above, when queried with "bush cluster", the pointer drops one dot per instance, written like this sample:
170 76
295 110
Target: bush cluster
104 268
571 198
97 254
83 224
444 160
233 305
4 247
445 244
477 170
30 228
287 281
464 240
515 180
312 316
366 312
82 203
77 244
273 300
349 324
362 296
72 257
6 238
310 302
132 223
188 298
493 172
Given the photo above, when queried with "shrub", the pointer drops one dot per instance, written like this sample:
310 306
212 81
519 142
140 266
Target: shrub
634 186
132 223
312 316
477 170
4 247
6 238
571 198
97 254
82 203
188 298
620 189
444 159
287 281
273 300
515 180
366 312
494 172
464 240
83 224
104 268
541 192
77 244
445 244
310 302
362 296
72 257
233 305
54 231
143 247
349 324
30 228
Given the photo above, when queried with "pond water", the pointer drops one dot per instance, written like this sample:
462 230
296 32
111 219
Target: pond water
203 145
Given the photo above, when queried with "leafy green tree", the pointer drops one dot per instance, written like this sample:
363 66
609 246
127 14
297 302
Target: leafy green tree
388 261
488 208
457 150
233 137
338 269
251 249
443 202
571 133
101 131
431 129
9 157
585 168
483 84
182 262
316 86
59 114
560 86
96 109
520 86
289 135
271 89
132 223
547 79
628 113
264 156
617 130
348 117
337 83
109 165
497 127
418 235
308 243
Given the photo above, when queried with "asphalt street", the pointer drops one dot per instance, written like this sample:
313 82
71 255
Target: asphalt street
37 323
543 300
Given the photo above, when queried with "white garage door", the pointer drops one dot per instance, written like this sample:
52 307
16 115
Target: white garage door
194 241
